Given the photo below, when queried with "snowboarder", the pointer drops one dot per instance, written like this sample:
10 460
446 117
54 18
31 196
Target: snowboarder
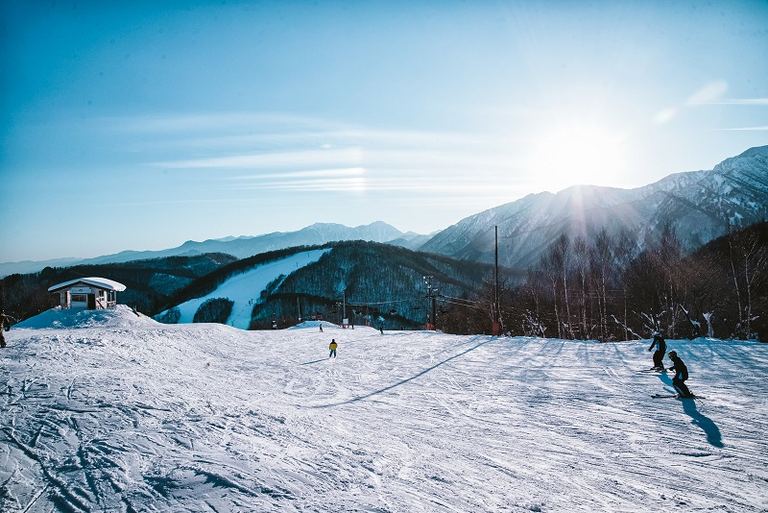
681 375
321 328
661 349
5 325
332 346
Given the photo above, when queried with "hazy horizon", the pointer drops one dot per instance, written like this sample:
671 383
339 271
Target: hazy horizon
142 126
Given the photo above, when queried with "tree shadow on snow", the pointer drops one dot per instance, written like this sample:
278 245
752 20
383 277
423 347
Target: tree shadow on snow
702 421
406 380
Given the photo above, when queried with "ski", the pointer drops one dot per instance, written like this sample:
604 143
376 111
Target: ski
675 396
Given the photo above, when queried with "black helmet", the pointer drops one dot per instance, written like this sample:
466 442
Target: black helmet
672 354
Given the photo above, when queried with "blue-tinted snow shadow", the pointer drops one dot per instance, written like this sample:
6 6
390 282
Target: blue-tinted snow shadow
702 421
406 380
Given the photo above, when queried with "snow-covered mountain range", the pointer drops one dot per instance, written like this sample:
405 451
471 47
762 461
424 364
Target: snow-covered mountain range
700 205
240 247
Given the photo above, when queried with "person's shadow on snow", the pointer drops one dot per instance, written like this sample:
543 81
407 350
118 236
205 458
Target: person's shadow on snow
702 421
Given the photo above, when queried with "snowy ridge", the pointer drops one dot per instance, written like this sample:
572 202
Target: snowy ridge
245 288
240 247
699 204
205 417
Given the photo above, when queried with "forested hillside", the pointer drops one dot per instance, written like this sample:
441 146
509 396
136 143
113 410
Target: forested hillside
608 289
148 282
374 281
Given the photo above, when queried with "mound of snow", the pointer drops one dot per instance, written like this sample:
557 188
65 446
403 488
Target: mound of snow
120 316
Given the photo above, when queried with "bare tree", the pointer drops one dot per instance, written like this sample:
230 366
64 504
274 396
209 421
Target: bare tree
581 263
754 255
602 257
562 250
550 267
731 258
625 249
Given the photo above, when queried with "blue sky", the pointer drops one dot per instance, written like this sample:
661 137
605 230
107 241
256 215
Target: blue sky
149 123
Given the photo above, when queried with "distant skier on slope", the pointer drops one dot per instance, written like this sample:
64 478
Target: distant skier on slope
332 346
5 325
661 349
321 327
681 375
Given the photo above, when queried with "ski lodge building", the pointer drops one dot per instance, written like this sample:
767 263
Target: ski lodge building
92 293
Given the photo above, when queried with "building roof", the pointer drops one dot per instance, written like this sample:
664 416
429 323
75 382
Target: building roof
94 281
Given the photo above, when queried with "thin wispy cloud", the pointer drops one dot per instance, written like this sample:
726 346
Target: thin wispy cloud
746 129
665 115
219 121
382 183
314 173
350 184
278 137
709 93
705 95
302 158
741 101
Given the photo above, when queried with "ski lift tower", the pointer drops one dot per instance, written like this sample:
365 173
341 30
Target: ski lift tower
431 295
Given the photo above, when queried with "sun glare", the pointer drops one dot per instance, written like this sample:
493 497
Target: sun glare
577 154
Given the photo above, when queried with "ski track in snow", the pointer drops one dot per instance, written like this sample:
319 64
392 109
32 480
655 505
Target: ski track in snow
203 417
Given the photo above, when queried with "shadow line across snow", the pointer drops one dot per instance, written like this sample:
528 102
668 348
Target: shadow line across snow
406 380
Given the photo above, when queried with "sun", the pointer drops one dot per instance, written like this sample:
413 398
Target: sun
577 153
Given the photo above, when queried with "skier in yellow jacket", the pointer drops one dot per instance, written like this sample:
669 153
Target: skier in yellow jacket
332 346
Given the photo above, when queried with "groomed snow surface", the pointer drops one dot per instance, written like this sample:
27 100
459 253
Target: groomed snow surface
245 288
131 415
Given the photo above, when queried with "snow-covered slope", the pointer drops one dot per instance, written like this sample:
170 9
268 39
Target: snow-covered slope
206 417
245 288
699 204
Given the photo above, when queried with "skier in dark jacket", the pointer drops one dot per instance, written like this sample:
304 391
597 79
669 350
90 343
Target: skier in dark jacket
661 349
681 375
5 325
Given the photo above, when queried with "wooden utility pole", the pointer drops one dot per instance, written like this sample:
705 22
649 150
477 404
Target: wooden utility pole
344 306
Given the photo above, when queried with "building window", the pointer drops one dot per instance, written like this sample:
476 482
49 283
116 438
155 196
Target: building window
79 298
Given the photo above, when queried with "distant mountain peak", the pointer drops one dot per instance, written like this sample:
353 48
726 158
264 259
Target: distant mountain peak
241 246
699 204
755 151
